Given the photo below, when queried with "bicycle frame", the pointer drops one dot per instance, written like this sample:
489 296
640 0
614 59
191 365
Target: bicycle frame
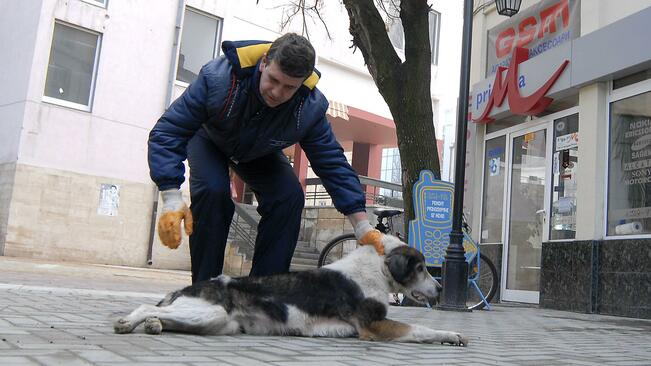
472 279
475 277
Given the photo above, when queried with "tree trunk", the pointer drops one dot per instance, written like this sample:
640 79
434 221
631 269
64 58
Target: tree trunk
405 86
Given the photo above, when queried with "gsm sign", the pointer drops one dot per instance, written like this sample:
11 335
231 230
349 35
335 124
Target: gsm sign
531 27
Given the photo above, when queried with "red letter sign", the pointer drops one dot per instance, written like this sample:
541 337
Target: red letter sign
527 106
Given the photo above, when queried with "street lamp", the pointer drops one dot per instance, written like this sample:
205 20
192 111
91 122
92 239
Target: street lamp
508 7
455 269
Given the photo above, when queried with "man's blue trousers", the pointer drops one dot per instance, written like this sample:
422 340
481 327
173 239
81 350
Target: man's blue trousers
280 204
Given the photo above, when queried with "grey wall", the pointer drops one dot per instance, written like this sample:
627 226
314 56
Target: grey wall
628 36
18 30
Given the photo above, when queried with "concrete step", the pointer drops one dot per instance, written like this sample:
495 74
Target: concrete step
310 256
305 245
303 249
311 262
295 267
243 248
251 210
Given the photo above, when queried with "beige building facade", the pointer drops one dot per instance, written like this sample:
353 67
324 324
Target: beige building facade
86 81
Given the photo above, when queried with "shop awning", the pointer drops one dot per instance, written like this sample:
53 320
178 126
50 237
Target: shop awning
337 110
365 127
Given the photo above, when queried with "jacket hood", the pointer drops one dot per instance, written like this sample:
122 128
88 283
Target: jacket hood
244 57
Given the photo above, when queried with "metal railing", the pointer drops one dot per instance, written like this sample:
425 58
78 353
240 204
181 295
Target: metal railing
244 226
377 191
244 230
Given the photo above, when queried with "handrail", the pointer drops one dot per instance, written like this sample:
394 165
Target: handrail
380 183
239 232
244 226
364 180
243 213
373 196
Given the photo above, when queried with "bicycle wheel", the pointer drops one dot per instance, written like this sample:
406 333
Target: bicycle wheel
486 280
337 249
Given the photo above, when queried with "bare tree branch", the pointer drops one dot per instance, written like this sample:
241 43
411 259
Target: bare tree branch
370 36
318 13
307 11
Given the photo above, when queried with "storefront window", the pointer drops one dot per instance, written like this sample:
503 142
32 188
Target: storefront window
493 195
564 168
629 178
631 79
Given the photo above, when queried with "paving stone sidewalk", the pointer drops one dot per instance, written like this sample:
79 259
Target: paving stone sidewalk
61 325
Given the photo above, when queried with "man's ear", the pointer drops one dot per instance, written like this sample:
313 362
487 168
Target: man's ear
263 64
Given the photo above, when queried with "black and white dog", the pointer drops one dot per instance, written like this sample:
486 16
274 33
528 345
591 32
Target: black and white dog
344 299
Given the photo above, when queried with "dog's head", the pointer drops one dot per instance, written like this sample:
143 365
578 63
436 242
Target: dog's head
408 270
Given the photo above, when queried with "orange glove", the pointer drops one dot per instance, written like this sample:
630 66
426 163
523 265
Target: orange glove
367 235
169 223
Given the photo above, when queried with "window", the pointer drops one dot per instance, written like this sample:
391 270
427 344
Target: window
397 34
562 224
434 32
199 44
493 195
101 3
72 67
629 169
631 79
390 170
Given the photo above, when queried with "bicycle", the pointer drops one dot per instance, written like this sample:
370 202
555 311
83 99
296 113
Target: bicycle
483 282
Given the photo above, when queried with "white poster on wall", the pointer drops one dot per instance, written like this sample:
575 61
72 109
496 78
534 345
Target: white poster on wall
494 166
109 200
568 141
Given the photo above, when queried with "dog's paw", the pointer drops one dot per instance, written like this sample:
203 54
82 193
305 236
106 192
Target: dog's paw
456 339
122 326
153 325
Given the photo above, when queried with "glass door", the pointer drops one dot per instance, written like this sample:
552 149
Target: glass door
525 226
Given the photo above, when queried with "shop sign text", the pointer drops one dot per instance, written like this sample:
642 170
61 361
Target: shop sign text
508 87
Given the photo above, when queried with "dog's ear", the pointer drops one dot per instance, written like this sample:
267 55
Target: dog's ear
400 265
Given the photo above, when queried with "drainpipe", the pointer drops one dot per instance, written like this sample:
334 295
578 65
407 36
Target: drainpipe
180 11
152 227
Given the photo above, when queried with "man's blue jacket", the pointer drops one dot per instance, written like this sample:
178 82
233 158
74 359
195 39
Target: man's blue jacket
213 105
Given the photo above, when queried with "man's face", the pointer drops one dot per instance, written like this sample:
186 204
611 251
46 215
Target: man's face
276 87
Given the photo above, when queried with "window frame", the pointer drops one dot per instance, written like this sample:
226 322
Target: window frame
483 184
435 43
102 5
549 191
389 155
397 22
615 95
218 38
91 96
434 38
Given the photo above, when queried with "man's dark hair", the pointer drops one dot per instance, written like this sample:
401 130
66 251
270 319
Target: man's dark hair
294 54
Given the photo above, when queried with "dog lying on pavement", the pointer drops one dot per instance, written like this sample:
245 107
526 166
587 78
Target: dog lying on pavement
346 298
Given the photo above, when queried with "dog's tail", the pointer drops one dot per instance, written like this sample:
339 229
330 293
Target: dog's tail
169 298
